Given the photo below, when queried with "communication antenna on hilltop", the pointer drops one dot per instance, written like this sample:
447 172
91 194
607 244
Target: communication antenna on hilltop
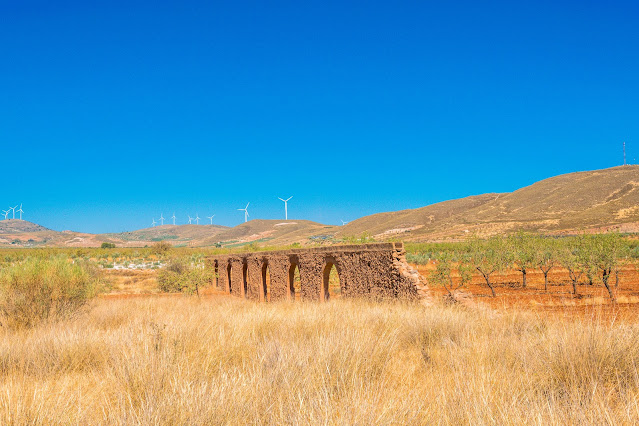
173 217
21 211
5 213
161 219
14 210
190 219
197 219
211 218
285 206
245 210
154 222
624 154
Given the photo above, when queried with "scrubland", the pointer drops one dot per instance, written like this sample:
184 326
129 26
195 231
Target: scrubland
220 360
68 357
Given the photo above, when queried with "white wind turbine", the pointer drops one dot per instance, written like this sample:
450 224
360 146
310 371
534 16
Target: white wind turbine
21 211
197 219
211 218
14 210
5 213
285 206
190 219
154 222
173 217
245 210
343 223
161 219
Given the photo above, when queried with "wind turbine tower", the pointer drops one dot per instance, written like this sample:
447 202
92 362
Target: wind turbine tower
190 219
161 219
245 210
14 210
285 206
197 219
211 218
154 222
21 211
343 223
5 213
173 217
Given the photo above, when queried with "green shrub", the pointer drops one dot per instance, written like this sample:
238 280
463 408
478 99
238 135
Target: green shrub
107 245
183 275
42 289
161 247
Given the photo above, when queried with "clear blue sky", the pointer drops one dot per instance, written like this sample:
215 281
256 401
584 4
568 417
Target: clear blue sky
114 112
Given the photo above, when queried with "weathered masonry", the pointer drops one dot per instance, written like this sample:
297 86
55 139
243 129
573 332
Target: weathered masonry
368 270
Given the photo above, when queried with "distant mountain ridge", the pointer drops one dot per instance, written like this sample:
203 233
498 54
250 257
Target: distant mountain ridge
591 201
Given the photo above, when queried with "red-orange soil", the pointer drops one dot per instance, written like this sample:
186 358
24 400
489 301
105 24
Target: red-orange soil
557 300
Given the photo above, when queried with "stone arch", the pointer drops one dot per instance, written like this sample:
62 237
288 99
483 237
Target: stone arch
329 263
244 290
369 270
265 288
294 263
216 274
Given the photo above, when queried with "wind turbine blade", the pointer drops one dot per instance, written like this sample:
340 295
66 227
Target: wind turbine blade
247 204
281 199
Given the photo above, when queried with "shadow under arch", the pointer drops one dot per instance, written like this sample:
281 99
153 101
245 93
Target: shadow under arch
294 279
331 282
266 282
245 279
216 274
229 287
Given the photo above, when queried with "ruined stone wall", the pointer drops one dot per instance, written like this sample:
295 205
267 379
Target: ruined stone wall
377 271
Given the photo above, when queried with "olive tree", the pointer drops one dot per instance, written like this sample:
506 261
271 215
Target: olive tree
604 252
574 258
446 263
488 256
523 249
546 257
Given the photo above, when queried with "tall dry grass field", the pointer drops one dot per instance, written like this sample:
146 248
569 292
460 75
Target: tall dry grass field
226 361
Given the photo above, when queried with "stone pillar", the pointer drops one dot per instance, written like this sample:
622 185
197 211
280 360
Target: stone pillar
278 268
222 272
311 267
255 290
237 277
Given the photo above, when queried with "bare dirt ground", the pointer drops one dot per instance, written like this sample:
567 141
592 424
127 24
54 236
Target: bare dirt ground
558 300
591 300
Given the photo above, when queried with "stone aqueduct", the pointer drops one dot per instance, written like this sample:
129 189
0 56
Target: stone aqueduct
368 270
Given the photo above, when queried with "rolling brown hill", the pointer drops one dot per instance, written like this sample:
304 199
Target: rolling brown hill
17 226
177 233
275 232
576 202
591 201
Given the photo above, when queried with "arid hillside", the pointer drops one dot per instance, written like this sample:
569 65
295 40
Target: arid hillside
583 201
278 232
591 201
26 234
17 226
176 233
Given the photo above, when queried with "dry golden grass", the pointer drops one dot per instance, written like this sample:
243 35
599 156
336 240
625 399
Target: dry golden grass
220 360
131 281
